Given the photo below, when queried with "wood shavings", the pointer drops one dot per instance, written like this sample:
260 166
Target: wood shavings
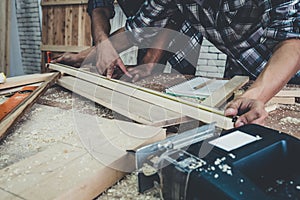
290 120
127 188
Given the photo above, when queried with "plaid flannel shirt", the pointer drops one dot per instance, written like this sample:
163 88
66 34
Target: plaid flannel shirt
246 31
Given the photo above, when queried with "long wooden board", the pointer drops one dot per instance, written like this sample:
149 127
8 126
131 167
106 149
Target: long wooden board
24 80
202 113
135 109
10 119
63 171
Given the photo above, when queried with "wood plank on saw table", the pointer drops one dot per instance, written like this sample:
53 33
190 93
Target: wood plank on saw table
63 171
196 111
135 109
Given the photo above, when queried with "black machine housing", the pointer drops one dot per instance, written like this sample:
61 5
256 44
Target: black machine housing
268 168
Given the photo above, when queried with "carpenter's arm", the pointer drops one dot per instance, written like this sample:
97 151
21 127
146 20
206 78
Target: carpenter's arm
100 24
282 66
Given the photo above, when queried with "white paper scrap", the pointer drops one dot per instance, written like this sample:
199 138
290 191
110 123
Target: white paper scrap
233 140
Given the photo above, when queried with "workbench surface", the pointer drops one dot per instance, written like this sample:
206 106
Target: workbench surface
49 121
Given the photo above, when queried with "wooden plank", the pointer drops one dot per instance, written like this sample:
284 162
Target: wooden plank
50 28
63 2
16 89
24 80
218 97
282 100
45 26
75 27
135 109
59 28
4 35
68 27
63 48
196 111
63 171
289 92
9 120
8 196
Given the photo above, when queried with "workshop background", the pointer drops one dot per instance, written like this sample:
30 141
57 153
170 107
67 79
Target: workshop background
21 33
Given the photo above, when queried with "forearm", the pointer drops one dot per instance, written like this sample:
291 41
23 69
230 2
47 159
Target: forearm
282 66
100 24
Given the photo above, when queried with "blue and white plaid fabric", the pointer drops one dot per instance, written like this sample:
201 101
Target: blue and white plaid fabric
177 60
246 30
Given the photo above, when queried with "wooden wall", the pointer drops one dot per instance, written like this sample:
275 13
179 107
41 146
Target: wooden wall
66 25
5 8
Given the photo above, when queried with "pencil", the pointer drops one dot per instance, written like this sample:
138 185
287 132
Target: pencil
203 84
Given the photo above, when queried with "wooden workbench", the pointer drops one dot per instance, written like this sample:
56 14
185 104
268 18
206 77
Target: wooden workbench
48 123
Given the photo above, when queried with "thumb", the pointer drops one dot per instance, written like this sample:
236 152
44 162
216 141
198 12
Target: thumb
232 108
110 72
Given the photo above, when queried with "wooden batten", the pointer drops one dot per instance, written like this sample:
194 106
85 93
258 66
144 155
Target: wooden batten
196 111
63 2
5 10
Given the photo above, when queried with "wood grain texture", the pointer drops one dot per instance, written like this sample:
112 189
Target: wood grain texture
135 109
63 2
196 111
5 9
64 171
219 96
24 80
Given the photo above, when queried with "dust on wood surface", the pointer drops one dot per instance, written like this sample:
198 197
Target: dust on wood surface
31 141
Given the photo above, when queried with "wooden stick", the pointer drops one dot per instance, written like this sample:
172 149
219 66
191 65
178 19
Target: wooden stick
24 80
190 109
203 84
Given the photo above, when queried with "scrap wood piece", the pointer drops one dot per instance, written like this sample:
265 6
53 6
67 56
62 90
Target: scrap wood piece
135 109
63 171
282 100
11 118
218 97
196 111
289 92
24 80
16 89
9 105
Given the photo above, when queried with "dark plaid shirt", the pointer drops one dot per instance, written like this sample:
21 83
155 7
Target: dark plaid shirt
177 60
245 30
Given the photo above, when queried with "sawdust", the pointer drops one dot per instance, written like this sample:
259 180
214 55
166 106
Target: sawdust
127 188
283 119
41 132
36 130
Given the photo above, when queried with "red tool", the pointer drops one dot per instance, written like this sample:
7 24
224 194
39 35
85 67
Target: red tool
10 104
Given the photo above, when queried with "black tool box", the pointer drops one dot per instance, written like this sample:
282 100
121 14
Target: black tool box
268 168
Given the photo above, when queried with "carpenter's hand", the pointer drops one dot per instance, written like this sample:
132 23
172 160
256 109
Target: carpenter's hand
140 71
107 59
250 111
